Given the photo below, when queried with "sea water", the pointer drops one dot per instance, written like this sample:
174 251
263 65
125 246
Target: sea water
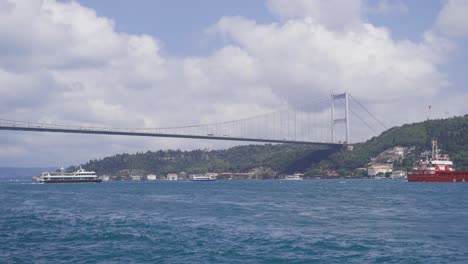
316 221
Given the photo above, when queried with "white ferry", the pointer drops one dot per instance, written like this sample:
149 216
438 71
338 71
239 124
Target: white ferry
295 177
203 178
79 176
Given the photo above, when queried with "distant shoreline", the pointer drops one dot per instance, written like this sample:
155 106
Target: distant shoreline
22 173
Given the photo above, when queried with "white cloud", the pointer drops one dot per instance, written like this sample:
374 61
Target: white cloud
6 7
336 14
453 19
310 59
307 56
49 34
68 65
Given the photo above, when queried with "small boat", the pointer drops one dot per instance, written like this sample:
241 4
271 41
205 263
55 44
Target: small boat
295 177
435 167
79 176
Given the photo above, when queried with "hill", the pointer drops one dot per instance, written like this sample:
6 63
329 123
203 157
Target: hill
452 135
280 158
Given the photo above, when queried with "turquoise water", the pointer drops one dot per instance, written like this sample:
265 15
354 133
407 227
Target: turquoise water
319 221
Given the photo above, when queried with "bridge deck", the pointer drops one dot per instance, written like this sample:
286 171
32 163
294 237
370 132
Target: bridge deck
149 134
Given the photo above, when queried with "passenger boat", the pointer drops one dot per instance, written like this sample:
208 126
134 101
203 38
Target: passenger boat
435 167
203 178
79 176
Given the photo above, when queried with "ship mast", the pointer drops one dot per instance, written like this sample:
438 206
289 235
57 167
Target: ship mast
435 150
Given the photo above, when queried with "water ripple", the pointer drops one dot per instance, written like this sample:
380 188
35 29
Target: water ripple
235 222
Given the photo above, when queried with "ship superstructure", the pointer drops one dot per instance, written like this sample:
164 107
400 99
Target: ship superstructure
435 167
79 176
203 177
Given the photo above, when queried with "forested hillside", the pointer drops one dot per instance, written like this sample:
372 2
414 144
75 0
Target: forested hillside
280 158
452 135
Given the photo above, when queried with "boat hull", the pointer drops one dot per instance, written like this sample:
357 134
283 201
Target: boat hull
446 176
203 180
73 181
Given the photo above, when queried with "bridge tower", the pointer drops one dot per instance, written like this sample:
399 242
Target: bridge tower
345 119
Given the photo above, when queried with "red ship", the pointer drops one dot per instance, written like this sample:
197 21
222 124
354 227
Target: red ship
436 168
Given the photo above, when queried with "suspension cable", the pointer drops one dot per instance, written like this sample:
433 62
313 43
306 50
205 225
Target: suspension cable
362 120
380 122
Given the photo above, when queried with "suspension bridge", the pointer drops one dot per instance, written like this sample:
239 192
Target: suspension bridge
325 121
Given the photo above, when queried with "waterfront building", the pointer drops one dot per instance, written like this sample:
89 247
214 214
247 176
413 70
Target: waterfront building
172 177
398 174
151 177
135 177
379 168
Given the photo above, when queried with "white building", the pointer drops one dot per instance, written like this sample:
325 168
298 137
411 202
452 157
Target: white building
398 175
399 151
376 169
135 177
151 177
172 177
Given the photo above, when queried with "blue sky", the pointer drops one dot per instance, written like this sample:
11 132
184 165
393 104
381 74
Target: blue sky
145 64
181 24
420 16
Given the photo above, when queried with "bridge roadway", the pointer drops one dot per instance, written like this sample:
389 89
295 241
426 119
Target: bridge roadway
148 134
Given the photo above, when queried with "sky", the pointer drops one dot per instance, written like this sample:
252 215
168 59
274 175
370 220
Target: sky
154 63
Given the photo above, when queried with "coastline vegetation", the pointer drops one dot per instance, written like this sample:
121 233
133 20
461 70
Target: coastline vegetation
451 133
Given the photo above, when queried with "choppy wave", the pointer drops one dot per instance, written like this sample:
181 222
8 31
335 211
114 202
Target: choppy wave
316 221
